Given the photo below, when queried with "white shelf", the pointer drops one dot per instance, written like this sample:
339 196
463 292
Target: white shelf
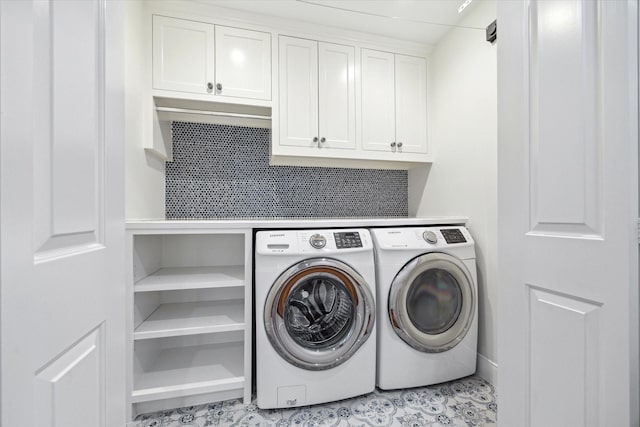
186 371
179 278
176 319
190 322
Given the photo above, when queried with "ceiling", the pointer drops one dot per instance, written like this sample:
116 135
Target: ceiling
422 21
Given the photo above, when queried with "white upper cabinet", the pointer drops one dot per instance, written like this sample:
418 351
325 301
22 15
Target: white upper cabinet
378 100
394 102
243 63
411 104
331 103
317 95
298 81
182 55
337 95
203 58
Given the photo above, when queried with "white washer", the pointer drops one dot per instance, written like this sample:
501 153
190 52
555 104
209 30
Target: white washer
315 316
427 305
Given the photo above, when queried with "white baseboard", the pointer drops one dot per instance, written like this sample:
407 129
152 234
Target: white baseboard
487 370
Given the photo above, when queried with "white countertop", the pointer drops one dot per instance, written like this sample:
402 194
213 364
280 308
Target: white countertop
291 223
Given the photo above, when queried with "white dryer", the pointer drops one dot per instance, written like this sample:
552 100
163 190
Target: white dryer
427 305
315 316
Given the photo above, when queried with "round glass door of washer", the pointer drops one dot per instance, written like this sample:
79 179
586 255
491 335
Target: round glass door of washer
318 313
432 302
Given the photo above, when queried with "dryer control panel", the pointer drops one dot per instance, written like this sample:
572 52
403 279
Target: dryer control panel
453 235
434 238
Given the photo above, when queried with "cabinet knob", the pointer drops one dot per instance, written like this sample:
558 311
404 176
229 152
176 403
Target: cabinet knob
315 139
323 140
393 144
399 144
210 86
218 86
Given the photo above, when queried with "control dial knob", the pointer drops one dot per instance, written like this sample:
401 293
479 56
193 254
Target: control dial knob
430 237
318 241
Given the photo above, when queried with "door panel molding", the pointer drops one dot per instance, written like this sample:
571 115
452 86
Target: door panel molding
68 127
66 245
563 330
565 141
82 365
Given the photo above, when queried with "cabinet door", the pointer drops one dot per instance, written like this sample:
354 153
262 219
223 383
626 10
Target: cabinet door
243 63
298 66
411 104
378 100
182 55
337 96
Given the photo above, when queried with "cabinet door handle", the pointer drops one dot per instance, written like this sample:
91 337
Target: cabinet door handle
399 144
315 139
210 86
323 140
218 86
393 144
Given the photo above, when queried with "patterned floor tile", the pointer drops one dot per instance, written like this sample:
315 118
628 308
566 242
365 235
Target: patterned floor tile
468 402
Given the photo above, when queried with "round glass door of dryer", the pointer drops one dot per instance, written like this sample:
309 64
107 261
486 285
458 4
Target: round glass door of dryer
432 302
318 313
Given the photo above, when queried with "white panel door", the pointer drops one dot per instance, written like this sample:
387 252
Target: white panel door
298 68
378 101
411 104
243 63
337 96
183 55
568 208
62 213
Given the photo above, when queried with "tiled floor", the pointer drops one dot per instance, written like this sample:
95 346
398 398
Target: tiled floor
467 402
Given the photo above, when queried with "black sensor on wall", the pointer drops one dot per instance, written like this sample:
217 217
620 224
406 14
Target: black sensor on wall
492 32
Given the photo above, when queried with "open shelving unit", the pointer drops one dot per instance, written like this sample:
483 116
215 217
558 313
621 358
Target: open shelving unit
188 318
190 336
185 370
167 279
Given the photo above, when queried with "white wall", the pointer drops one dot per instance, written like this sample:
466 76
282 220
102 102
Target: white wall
144 173
463 134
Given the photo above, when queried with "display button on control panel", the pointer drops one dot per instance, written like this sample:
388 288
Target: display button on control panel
453 235
347 240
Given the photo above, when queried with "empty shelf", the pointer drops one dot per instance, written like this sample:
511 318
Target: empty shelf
190 318
178 278
185 371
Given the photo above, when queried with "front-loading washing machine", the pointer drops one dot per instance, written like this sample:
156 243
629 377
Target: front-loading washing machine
315 316
427 305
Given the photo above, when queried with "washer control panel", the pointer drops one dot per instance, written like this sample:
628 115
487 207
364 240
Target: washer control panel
346 240
319 242
336 240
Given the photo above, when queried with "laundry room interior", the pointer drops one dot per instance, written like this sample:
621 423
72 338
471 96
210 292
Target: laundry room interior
315 212
225 167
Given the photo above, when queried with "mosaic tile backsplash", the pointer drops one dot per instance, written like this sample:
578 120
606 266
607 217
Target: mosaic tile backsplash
221 171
